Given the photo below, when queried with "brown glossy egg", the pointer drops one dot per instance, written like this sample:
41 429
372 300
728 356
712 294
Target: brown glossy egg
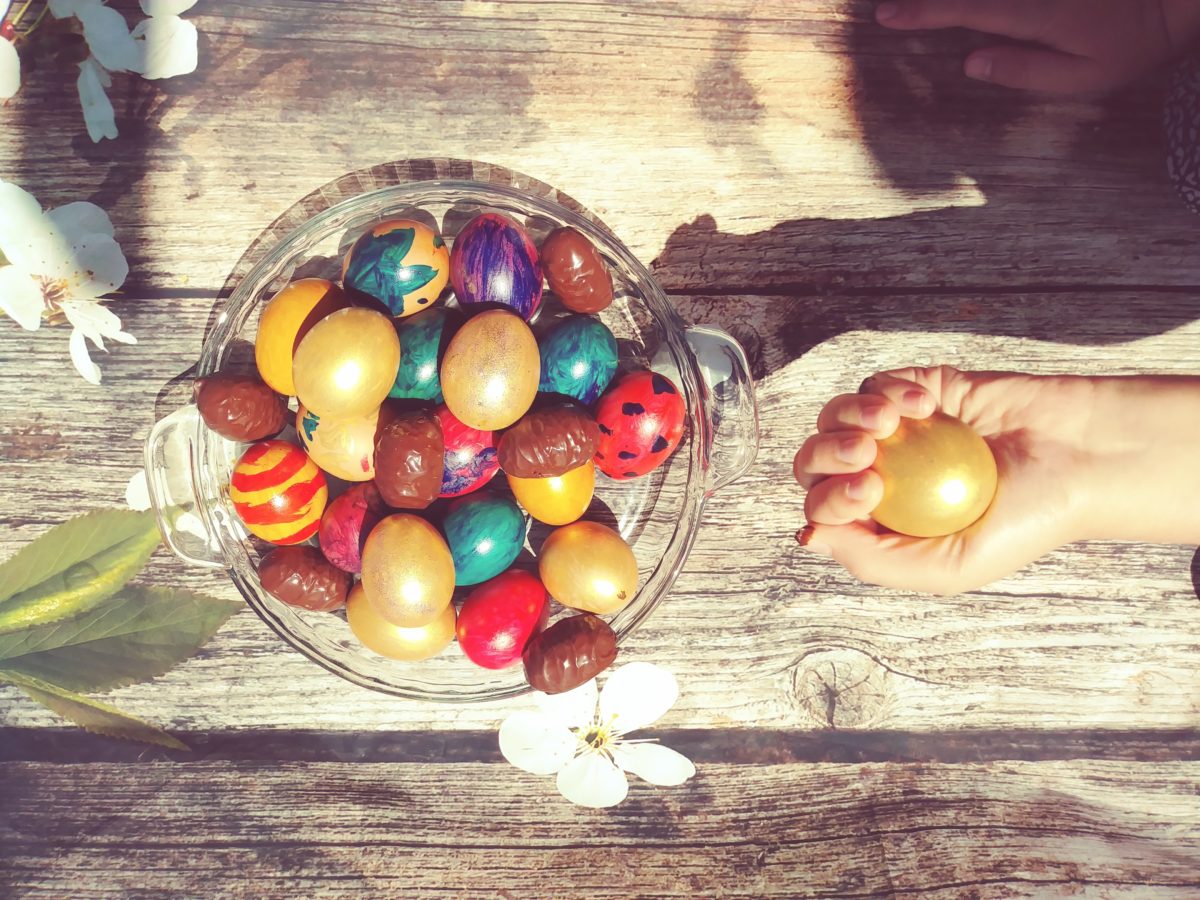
407 571
347 363
939 476
588 566
393 641
491 370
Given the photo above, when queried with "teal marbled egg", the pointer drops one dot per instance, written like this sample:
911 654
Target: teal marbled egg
579 358
423 338
485 534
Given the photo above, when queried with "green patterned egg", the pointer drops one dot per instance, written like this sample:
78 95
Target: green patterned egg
485 534
423 339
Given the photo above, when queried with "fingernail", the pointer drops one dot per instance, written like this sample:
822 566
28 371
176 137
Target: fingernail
805 539
872 416
857 489
847 449
979 68
917 401
885 11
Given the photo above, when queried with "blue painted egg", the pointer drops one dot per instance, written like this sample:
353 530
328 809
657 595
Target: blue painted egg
423 339
579 358
471 458
485 534
402 263
495 263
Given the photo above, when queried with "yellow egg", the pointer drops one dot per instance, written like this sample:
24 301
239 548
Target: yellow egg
346 364
939 476
284 323
345 448
407 571
491 369
392 641
588 566
557 500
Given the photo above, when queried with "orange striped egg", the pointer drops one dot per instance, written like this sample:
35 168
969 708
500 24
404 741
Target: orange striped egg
278 492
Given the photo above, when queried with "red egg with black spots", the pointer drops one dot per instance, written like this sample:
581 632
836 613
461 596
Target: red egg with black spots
641 421
499 617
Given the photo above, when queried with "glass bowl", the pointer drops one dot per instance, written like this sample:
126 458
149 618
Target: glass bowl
188 465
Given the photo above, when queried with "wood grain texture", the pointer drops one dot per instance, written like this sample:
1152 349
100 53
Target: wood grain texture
339 830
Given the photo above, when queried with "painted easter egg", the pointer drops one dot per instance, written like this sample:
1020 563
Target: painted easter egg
485 534
490 371
470 460
575 271
347 363
284 323
402 263
407 571
278 492
495 262
498 618
393 641
588 566
558 499
347 522
579 358
641 421
345 448
423 340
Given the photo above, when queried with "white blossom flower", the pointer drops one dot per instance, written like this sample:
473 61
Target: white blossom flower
167 43
61 261
587 748
10 63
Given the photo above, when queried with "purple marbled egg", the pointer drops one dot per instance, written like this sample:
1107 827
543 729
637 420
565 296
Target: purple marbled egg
495 263
471 458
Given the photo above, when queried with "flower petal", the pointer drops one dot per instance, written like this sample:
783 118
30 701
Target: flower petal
574 708
97 108
10 69
592 780
91 268
107 35
636 695
166 7
21 297
137 492
60 9
95 321
654 763
83 362
535 743
79 219
20 219
168 47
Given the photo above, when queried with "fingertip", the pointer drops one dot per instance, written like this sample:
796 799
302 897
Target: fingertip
979 66
917 403
864 490
807 538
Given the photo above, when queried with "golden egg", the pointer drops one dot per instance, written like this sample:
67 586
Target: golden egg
392 641
939 477
284 323
346 364
559 499
407 571
345 448
588 566
491 369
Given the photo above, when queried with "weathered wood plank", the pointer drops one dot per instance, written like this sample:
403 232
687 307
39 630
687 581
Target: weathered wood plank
1093 636
744 145
333 830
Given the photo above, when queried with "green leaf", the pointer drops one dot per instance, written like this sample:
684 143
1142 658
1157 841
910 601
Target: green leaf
136 635
99 718
74 566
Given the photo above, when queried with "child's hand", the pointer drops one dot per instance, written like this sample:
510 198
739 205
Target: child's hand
1086 45
1037 429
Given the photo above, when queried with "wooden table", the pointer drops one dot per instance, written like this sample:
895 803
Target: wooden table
842 201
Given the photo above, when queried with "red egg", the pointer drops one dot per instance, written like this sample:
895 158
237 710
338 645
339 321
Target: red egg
641 421
347 522
471 459
499 617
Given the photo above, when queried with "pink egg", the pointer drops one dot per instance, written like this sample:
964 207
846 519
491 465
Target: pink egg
471 458
347 522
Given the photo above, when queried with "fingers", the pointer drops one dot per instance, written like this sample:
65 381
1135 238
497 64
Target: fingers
1020 19
1037 70
874 414
889 560
906 394
839 499
833 453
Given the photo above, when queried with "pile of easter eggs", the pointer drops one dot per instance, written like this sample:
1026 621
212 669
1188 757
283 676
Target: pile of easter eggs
418 379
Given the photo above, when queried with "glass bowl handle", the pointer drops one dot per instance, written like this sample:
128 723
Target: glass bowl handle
729 408
171 478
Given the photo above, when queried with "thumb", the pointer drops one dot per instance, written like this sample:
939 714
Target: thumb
1032 69
888 559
